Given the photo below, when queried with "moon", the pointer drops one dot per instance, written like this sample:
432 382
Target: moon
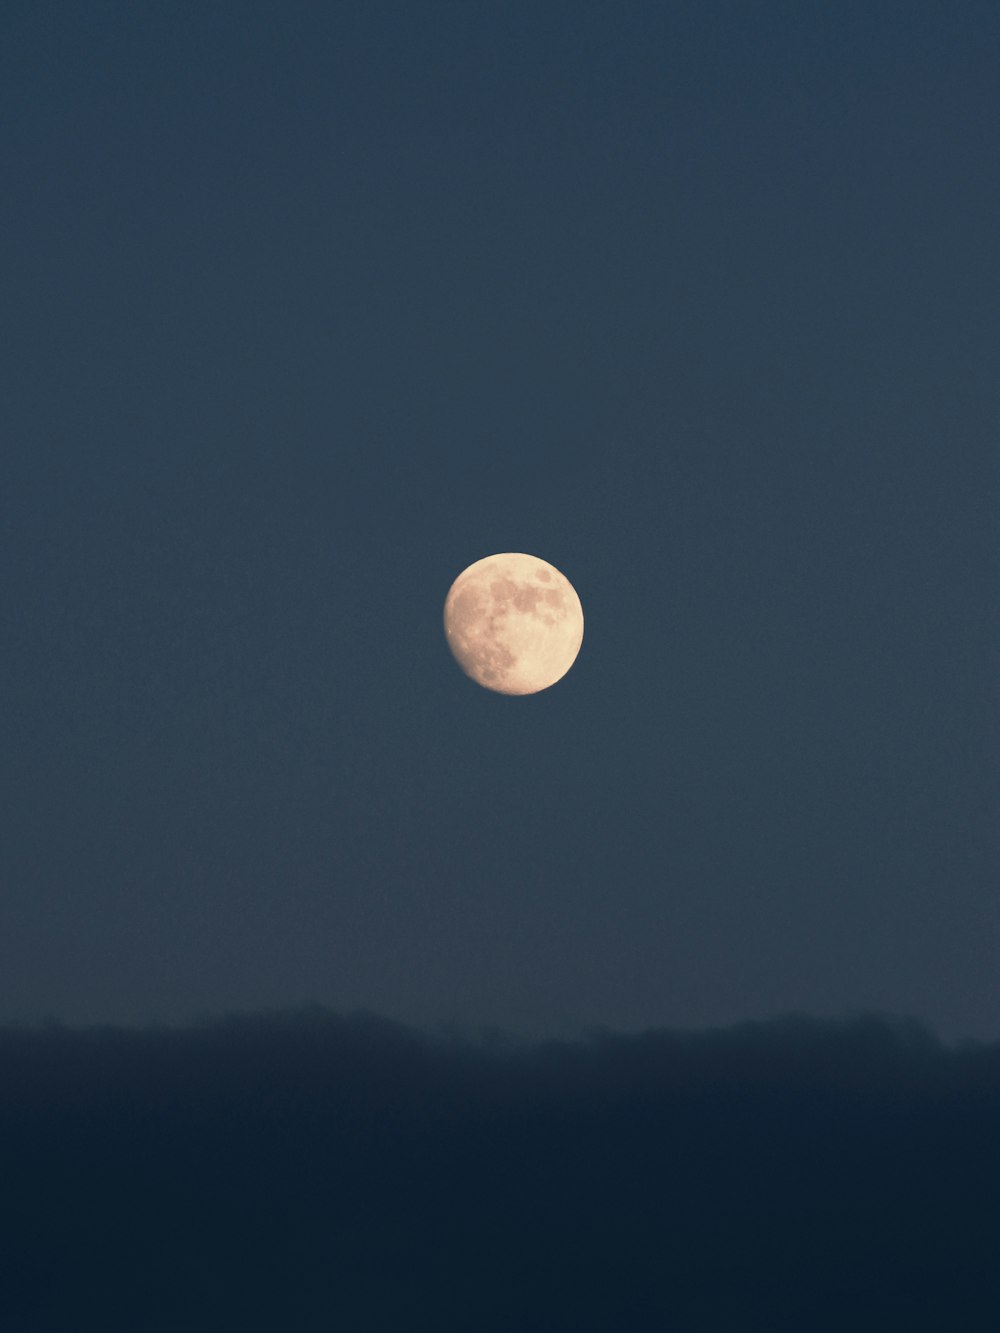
513 623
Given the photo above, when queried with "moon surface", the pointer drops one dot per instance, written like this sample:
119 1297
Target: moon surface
514 623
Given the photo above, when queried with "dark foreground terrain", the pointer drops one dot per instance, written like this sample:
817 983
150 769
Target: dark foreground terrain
305 1173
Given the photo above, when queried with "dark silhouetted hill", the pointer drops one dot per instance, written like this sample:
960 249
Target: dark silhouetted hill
305 1173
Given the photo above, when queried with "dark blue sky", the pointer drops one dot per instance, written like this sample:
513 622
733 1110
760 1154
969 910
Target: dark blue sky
304 308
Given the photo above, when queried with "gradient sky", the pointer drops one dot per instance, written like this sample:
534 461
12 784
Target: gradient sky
304 308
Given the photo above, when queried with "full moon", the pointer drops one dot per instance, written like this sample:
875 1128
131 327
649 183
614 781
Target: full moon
514 623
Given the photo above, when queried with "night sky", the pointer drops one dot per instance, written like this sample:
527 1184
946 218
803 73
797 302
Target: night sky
308 306
337 992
